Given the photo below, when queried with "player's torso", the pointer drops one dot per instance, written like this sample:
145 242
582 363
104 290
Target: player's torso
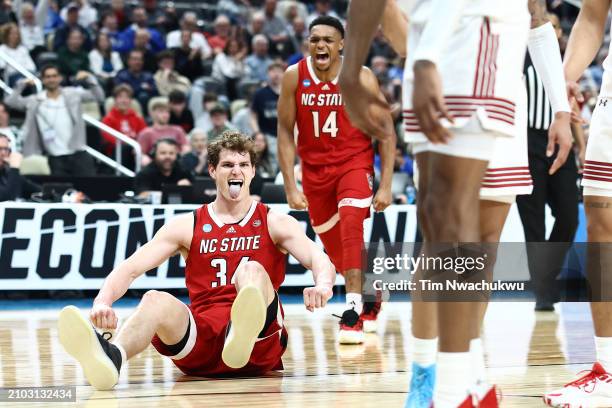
325 134
606 82
217 250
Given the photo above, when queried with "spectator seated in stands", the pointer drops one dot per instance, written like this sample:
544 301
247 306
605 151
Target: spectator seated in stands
12 132
125 120
276 30
258 62
88 15
203 121
141 82
187 60
196 161
180 115
72 22
103 61
166 78
263 107
228 66
189 22
12 47
266 167
141 43
218 118
139 21
222 29
73 57
160 112
12 184
31 25
110 27
54 123
164 169
53 20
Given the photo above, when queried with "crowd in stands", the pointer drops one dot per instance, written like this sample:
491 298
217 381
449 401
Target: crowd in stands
171 77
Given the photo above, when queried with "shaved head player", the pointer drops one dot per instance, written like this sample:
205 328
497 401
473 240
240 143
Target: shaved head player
235 249
337 164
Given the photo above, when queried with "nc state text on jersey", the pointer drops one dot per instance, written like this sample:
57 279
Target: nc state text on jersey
328 99
208 246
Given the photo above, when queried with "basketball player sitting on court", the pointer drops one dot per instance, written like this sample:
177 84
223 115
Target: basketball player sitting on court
236 250
337 164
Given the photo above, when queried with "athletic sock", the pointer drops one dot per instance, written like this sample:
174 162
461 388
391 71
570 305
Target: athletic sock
424 351
453 379
353 301
603 349
478 363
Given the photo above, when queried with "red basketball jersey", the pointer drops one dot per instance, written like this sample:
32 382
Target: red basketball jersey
325 134
218 249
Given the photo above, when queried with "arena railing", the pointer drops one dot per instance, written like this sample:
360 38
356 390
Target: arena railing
120 138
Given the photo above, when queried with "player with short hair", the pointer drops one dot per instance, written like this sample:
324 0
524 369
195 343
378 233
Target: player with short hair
236 251
337 164
593 389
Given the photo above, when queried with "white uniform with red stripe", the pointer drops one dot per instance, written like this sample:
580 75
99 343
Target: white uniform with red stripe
482 82
597 176
481 68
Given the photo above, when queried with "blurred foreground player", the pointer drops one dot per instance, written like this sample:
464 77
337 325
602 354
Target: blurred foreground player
482 43
594 389
235 249
337 164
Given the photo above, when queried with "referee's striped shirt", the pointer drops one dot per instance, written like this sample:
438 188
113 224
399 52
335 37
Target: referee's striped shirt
539 112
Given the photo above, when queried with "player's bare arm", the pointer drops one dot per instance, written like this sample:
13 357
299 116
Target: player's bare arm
286 143
365 108
394 26
586 38
544 50
289 235
172 237
386 149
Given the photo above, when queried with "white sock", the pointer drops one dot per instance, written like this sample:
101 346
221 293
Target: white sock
478 363
353 301
123 354
424 351
453 379
603 350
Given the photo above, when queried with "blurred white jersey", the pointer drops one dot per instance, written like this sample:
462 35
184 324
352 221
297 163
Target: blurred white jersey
481 69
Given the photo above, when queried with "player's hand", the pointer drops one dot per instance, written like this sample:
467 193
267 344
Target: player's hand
296 199
317 297
382 199
428 102
103 316
559 133
575 97
367 109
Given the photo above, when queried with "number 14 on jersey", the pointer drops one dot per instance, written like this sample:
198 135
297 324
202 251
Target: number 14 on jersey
329 126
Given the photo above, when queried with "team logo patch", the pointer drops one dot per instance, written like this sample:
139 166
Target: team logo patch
306 83
256 223
231 229
207 228
370 181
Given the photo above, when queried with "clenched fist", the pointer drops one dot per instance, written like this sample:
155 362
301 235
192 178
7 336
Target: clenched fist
316 297
103 316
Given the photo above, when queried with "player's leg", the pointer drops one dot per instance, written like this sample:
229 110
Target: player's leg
157 313
354 197
424 314
493 214
452 205
249 313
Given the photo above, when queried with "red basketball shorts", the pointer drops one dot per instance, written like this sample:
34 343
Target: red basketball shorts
201 355
339 199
